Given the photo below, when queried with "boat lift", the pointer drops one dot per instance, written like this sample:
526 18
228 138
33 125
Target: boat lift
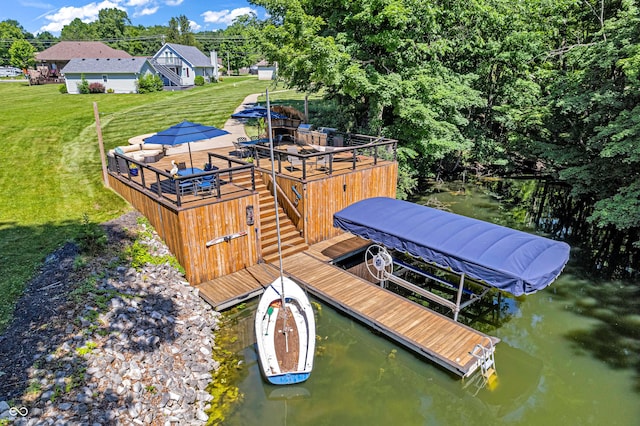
492 255
384 267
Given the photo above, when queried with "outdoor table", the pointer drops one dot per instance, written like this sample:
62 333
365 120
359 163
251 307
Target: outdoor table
255 142
190 171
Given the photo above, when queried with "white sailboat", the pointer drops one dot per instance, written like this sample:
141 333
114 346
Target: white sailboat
284 323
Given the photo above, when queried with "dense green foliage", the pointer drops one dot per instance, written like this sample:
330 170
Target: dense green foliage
83 86
487 86
149 83
22 54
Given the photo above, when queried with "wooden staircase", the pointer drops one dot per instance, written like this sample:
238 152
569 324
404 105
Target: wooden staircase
290 238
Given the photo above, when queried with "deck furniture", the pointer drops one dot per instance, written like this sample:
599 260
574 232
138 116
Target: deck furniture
241 149
294 160
188 185
323 162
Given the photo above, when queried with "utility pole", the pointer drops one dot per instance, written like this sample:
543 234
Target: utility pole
228 64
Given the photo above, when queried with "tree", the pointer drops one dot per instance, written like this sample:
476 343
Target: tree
22 54
173 34
180 32
380 61
238 44
44 40
186 35
10 31
596 93
111 26
78 30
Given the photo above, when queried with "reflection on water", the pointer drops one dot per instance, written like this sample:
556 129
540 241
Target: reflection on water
569 354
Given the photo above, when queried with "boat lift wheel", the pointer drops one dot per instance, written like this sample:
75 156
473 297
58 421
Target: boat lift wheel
379 262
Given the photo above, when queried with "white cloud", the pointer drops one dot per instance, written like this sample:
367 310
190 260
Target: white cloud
146 11
194 26
174 2
87 13
138 3
226 16
36 4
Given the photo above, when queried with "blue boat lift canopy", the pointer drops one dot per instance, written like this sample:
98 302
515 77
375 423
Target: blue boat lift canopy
501 257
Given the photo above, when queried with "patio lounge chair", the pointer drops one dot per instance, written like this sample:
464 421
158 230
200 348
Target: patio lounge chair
322 162
241 150
187 186
293 160
206 185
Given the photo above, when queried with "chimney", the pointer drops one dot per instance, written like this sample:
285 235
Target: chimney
214 62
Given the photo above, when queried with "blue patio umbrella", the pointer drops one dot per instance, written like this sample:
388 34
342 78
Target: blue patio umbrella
185 132
256 112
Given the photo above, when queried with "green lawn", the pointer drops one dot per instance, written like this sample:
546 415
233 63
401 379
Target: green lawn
50 171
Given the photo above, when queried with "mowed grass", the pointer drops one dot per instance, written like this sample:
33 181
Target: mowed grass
50 171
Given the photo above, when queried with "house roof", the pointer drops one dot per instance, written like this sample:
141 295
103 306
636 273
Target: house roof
105 65
66 50
191 54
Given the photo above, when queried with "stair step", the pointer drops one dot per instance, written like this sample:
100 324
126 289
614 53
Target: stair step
286 252
285 237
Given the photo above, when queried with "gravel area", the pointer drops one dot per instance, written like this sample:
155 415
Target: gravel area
106 344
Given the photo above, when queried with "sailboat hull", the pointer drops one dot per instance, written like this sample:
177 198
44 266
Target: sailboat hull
285 336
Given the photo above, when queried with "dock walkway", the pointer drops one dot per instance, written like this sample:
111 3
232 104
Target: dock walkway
432 335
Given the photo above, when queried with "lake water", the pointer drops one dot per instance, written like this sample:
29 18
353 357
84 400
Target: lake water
568 355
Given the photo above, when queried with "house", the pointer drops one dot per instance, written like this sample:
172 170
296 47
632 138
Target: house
58 55
178 65
266 71
118 74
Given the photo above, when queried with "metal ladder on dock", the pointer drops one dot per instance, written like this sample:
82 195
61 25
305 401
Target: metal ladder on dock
486 360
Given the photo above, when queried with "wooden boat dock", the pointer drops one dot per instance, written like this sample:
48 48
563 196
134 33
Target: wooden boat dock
431 335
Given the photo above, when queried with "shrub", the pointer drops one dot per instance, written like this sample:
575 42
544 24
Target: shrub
96 88
62 88
83 86
149 83
199 80
110 90
92 239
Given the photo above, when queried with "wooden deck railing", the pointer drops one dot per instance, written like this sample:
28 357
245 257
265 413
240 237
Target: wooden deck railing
376 148
162 185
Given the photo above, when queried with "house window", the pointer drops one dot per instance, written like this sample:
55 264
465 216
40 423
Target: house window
187 72
105 78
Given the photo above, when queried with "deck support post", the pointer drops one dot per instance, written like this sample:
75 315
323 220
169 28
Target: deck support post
458 298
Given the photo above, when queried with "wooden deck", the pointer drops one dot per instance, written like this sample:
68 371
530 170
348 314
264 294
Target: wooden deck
434 336
229 290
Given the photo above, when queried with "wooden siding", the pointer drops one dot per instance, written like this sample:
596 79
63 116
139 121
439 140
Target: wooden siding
186 231
326 196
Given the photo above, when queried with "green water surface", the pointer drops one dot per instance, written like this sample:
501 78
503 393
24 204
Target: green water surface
567 357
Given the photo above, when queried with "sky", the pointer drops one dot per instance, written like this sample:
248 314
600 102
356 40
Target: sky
37 16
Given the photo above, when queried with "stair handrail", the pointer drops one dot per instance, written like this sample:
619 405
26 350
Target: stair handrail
289 204
165 71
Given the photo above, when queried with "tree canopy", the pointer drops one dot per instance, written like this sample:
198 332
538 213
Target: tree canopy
489 82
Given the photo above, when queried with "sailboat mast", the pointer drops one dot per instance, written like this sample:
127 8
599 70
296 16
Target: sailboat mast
275 198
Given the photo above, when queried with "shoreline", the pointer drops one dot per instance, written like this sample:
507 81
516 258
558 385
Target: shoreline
108 343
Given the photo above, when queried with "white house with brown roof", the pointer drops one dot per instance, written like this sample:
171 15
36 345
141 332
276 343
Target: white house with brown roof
117 74
58 55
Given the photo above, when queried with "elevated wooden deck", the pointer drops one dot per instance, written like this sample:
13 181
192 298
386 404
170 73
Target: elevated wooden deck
434 336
